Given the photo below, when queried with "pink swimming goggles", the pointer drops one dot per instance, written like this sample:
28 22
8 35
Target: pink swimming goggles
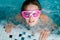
27 14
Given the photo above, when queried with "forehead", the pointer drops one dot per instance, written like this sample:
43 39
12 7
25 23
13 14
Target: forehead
32 7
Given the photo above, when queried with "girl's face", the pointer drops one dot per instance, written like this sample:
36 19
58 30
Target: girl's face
31 14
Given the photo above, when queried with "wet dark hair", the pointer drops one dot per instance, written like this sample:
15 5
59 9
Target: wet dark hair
27 2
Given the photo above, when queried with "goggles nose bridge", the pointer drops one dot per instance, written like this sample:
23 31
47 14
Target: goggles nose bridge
30 14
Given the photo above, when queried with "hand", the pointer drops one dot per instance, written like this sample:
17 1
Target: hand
9 27
44 34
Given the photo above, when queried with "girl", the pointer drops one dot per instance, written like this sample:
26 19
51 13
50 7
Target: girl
33 19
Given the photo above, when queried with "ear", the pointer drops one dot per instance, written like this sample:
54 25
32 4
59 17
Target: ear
44 18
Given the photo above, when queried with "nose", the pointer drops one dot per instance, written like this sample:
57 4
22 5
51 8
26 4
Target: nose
30 17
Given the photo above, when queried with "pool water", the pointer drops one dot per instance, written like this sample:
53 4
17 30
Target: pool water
21 33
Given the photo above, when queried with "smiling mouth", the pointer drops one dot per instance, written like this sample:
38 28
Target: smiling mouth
31 21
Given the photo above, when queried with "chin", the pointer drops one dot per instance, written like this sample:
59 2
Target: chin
32 24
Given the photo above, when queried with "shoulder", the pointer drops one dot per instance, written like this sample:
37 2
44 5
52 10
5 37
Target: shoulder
48 22
45 18
19 17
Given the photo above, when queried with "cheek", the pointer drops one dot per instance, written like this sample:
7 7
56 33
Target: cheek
36 19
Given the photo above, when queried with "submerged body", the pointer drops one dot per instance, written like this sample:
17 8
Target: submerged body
25 32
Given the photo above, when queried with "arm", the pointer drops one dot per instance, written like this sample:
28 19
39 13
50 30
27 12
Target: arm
45 33
9 26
